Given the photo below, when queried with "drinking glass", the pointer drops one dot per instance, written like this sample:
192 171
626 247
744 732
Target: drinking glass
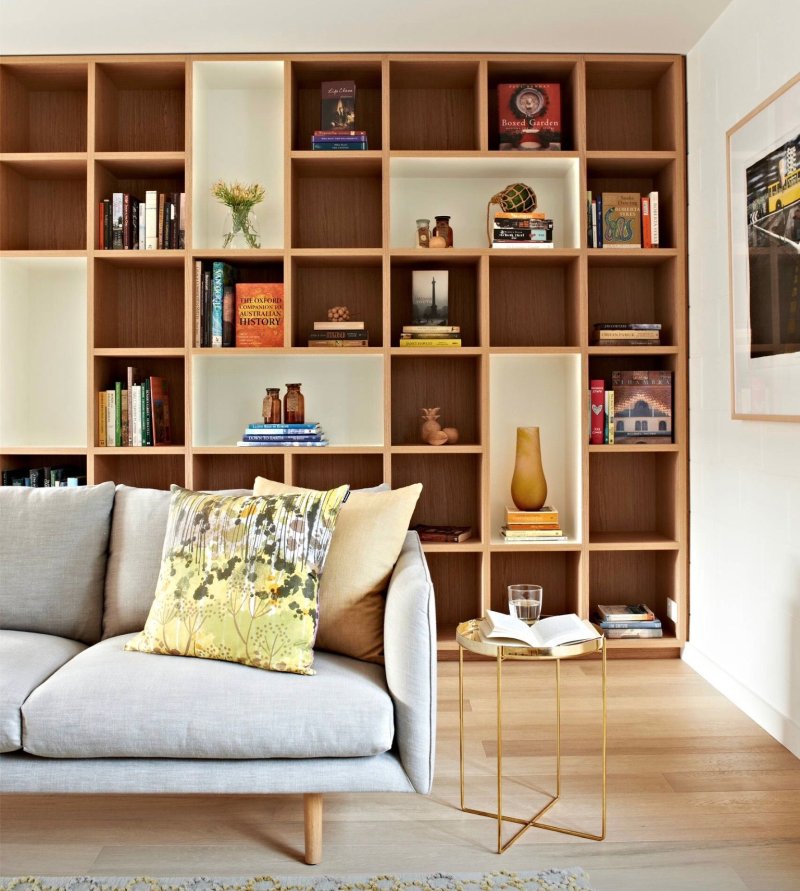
525 602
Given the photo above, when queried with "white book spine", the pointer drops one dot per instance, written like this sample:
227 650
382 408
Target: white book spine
111 418
136 415
654 217
151 220
142 226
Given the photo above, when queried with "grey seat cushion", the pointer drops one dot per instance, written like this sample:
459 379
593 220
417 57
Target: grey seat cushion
53 545
110 703
26 659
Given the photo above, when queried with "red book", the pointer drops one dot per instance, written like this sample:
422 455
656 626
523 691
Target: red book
647 228
598 409
259 314
159 406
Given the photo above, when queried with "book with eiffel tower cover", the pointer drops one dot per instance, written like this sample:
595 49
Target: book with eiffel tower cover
429 296
642 407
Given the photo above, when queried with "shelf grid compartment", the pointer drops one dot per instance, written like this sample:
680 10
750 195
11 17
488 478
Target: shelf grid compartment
318 470
456 580
462 294
426 381
140 106
248 268
145 470
629 577
110 369
462 187
558 573
343 393
641 175
319 283
74 464
44 205
138 301
451 488
135 176
211 473
534 302
632 105
632 498
43 356
544 392
543 71
237 136
434 108
44 107
322 188
307 79
623 290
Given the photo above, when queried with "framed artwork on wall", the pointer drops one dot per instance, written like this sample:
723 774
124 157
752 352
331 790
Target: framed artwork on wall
764 258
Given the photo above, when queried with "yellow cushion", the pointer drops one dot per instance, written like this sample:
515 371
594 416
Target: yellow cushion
366 544
239 578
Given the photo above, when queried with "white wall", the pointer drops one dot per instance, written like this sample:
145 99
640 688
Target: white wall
745 475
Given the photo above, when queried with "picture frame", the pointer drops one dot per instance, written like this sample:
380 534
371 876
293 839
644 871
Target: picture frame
763 178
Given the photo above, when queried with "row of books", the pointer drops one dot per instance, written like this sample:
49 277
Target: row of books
134 413
522 230
339 141
430 336
621 621
44 477
283 435
532 526
349 333
228 313
622 220
627 334
636 409
126 223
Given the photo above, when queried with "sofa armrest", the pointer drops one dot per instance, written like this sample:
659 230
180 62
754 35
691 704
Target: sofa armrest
409 642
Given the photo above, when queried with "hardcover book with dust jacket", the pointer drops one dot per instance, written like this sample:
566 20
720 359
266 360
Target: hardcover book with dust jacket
338 105
429 296
529 117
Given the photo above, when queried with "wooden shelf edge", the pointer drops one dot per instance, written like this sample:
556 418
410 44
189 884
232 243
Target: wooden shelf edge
643 543
144 451
623 449
144 352
283 450
437 450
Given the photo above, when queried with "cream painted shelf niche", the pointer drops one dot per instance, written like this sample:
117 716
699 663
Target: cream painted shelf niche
338 228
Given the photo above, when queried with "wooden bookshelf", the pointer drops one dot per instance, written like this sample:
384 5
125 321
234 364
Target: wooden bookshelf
339 229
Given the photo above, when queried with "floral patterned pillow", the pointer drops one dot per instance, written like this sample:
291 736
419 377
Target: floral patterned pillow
239 578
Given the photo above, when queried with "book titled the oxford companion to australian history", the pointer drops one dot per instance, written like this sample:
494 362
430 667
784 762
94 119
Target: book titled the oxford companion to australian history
259 314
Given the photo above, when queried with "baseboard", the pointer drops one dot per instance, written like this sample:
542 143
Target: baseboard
785 731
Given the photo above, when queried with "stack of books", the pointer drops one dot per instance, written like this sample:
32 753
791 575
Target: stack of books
627 334
442 534
628 621
339 334
522 230
532 526
283 435
339 141
431 336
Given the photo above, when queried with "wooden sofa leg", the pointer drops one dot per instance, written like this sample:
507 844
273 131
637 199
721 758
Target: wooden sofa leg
312 806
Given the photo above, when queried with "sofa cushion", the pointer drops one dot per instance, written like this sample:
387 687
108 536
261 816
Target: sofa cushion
239 578
53 545
369 535
108 702
26 659
134 556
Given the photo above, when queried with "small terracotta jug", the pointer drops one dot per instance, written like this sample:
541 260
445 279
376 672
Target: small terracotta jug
528 485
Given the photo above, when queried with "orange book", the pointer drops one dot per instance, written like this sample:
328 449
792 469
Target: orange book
259 314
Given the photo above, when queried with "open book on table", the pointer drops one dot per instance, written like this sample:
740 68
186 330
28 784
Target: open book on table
554 631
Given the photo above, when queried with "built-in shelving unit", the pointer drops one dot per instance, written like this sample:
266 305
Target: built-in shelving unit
339 229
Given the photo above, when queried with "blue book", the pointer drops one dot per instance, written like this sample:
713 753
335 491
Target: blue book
278 437
312 426
221 275
285 443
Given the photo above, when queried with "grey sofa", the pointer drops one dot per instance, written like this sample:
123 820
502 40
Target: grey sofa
78 714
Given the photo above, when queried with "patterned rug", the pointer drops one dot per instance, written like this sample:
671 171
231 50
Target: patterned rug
575 879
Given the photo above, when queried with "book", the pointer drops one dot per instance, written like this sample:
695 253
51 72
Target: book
554 631
343 137
622 224
654 230
429 289
642 406
518 215
312 425
632 633
606 624
341 334
523 245
545 514
624 612
531 532
116 221
285 443
432 330
430 335
323 344
529 117
222 277
442 533
627 326
598 209
339 147
340 133
151 220
228 315
259 314
102 407
337 105
339 326
647 229
627 334
610 412
270 438
430 342
533 539
111 414
159 401
597 409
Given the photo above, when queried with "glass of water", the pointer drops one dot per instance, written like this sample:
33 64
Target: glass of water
525 602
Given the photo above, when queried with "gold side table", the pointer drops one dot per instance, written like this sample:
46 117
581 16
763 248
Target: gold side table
468 638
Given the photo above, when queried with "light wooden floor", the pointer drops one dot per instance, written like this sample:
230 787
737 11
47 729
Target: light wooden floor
700 799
